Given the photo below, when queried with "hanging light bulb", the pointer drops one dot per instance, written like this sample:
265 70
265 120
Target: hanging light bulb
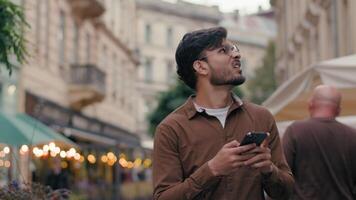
6 150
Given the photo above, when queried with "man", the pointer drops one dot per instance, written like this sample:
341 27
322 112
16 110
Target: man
196 150
321 151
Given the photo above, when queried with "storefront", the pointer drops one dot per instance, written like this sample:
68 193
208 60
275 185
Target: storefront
110 155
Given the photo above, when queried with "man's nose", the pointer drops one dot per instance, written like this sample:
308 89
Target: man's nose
236 54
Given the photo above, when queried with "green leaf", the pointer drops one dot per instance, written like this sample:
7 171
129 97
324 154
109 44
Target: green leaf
12 42
264 83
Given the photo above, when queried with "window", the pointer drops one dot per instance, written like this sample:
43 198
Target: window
88 52
112 14
170 72
148 70
75 53
47 18
38 23
148 33
114 81
169 37
104 57
61 37
122 80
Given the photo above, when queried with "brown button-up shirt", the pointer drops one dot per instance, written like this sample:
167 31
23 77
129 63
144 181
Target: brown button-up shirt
187 139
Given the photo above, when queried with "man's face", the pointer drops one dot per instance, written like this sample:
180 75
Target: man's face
225 66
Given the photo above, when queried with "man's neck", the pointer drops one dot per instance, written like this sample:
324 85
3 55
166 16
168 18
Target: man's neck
214 98
328 115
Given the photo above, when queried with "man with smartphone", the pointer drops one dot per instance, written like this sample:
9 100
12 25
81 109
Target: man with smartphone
321 151
197 152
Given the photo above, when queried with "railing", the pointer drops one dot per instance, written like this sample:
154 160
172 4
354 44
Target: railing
88 75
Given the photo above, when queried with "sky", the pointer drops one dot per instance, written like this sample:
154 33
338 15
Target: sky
244 6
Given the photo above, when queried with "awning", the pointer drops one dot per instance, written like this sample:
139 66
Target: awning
18 129
289 101
85 135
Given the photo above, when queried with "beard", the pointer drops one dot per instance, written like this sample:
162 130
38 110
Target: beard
226 78
235 81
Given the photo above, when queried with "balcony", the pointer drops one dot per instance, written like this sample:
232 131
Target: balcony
87 85
86 9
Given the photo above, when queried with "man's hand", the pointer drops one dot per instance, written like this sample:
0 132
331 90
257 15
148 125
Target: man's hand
261 158
230 157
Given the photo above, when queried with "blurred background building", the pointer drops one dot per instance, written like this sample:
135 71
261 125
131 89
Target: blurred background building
160 27
310 31
316 44
80 79
82 59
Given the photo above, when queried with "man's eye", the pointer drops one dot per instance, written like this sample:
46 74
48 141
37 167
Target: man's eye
222 50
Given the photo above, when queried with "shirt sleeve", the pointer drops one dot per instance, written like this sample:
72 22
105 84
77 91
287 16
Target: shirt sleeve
168 178
279 183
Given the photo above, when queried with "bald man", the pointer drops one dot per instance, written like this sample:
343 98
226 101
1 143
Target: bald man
321 151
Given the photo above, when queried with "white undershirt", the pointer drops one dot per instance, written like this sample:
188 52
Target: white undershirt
219 113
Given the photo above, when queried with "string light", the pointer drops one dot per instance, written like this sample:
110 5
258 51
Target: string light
45 148
130 165
53 154
91 158
24 148
6 150
123 162
104 158
82 159
7 164
52 146
147 163
62 154
137 162
77 156
109 158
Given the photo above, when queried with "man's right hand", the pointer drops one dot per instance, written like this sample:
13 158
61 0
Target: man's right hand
229 158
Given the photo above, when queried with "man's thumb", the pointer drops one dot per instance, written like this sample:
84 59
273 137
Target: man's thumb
232 144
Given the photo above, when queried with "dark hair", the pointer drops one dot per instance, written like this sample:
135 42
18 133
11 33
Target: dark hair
191 48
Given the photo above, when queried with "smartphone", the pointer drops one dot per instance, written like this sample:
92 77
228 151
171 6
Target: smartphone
254 137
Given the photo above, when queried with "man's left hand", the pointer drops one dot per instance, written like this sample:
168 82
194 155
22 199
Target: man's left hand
262 159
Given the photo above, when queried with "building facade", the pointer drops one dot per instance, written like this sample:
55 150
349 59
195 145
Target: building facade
79 79
160 26
310 31
82 58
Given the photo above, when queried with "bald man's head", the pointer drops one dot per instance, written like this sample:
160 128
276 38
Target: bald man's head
326 101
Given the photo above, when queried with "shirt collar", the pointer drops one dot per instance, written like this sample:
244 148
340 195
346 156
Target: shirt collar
192 111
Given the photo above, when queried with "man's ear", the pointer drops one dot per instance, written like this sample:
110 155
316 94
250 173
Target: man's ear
200 67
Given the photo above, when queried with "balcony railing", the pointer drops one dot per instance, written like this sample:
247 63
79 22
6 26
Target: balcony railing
87 85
